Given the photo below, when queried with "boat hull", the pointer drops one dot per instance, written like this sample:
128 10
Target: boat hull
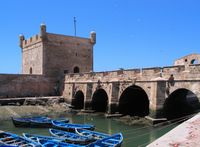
10 139
70 137
71 127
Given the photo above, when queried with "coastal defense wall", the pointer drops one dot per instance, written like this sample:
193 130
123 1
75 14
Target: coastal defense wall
14 85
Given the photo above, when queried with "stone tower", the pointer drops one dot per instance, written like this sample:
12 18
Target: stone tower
54 54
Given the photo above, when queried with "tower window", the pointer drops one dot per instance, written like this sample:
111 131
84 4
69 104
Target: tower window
194 61
76 69
30 70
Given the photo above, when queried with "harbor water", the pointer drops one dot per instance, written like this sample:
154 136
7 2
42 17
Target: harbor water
134 135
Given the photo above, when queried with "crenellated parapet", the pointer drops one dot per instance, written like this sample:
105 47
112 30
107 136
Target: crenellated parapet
30 41
23 42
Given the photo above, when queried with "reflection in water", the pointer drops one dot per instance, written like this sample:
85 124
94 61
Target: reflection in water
134 135
152 137
109 127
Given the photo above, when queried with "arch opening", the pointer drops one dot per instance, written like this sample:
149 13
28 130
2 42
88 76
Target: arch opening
99 100
78 101
134 102
76 69
180 103
194 61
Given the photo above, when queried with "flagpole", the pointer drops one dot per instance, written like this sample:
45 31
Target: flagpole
75 26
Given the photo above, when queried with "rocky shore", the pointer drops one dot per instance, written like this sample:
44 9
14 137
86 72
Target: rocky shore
56 106
6 112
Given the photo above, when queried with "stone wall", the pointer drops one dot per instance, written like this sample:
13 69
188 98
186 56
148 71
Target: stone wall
153 81
13 85
32 59
188 60
32 55
64 53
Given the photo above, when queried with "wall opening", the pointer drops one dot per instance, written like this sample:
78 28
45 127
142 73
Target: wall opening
194 61
76 69
134 102
99 100
78 101
30 70
180 103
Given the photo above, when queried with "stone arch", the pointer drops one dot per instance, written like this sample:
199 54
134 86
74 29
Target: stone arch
99 100
76 69
134 101
78 100
194 61
180 102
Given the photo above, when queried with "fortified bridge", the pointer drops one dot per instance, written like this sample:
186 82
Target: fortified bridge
158 92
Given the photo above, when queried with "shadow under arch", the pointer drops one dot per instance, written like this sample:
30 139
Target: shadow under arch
99 100
180 103
134 102
78 101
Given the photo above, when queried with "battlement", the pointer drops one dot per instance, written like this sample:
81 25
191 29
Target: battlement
23 43
30 41
55 38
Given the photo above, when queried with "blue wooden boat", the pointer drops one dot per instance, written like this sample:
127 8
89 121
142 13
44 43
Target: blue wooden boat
93 134
50 143
44 122
8 145
35 137
111 141
21 122
48 140
71 127
71 137
26 121
10 139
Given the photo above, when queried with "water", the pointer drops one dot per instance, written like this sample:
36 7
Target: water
134 136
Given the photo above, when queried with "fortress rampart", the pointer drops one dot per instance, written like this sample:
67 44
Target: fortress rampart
18 85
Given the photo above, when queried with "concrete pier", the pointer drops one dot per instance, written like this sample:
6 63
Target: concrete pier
186 134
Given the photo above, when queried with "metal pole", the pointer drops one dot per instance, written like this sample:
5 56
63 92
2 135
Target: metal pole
74 26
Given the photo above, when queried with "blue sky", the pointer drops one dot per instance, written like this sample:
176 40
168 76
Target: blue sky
130 33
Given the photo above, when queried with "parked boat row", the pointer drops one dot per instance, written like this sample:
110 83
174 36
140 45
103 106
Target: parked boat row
63 134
